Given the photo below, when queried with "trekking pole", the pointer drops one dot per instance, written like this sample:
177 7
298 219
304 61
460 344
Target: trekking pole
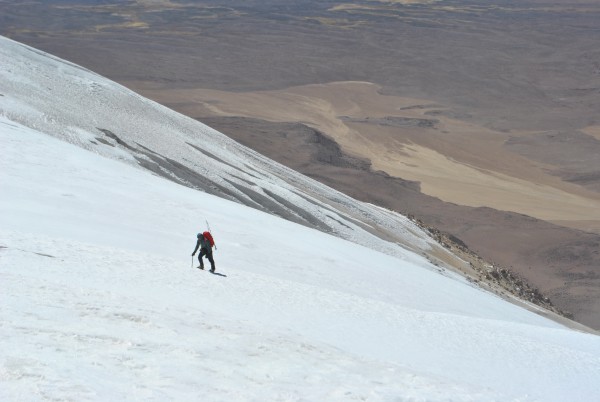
192 262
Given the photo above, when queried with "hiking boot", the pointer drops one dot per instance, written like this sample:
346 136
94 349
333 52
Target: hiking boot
200 267
212 270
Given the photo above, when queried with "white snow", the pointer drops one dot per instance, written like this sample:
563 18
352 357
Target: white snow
99 300
67 102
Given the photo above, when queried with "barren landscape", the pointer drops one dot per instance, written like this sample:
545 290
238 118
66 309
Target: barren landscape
478 119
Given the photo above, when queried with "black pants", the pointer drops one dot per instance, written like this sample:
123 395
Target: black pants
208 253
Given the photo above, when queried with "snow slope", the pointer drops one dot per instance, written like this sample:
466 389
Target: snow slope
68 102
99 300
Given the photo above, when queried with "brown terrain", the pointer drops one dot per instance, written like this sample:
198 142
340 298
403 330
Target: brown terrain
479 120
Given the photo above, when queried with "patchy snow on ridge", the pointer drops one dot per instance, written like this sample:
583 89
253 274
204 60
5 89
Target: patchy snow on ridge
71 103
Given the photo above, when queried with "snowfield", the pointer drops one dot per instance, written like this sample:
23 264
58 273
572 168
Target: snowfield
68 102
100 301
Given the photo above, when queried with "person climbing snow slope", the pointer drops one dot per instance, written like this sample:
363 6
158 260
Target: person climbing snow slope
205 243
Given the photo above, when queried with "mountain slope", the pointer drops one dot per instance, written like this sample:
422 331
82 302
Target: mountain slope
78 106
491 99
100 302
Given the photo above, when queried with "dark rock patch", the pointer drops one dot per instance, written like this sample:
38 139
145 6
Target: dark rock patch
395 121
329 152
420 107
449 113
